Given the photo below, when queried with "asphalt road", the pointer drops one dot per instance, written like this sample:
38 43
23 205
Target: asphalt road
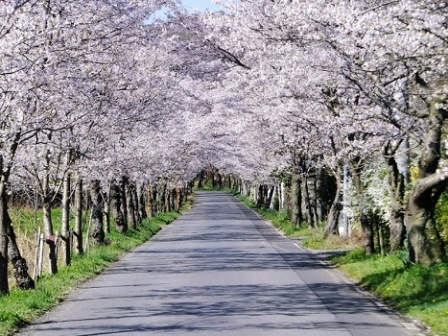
220 270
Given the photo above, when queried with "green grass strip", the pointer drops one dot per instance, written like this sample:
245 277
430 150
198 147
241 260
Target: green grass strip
417 291
19 308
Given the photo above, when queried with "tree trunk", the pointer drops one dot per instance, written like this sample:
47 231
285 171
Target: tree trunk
306 203
281 197
425 244
5 170
130 209
115 207
312 196
396 182
172 199
135 202
65 225
178 198
4 286
273 205
270 196
287 199
296 201
365 219
380 236
78 217
319 203
98 234
200 180
124 202
47 199
106 212
142 202
50 238
19 265
332 226
154 200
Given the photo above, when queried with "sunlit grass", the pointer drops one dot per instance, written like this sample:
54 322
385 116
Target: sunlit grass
418 291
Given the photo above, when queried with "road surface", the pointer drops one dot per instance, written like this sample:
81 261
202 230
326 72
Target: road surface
219 270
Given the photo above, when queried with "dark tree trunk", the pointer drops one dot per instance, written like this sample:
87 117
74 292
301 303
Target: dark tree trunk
296 200
106 212
116 208
336 207
167 201
11 251
172 199
5 170
217 179
425 244
162 195
130 208
19 265
97 212
47 198
178 198
260 196
65 225
200 180
287 201
312 196
78 217
124 202
4 286
365 218
142 202
154 200
50 237
396 182
135 203
319 203
306 202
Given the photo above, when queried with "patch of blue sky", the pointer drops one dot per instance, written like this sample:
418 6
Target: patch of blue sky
191 5
200 5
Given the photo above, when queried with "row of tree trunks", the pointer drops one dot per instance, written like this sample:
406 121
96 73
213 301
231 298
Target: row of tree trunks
312 196
125 202
303 196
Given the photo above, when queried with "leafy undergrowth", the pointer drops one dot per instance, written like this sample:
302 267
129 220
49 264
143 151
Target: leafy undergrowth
421 292
19 308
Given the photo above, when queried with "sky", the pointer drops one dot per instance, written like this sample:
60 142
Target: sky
200 4
191 5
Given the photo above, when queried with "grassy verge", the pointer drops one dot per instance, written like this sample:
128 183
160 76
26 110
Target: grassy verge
20 307
417 291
